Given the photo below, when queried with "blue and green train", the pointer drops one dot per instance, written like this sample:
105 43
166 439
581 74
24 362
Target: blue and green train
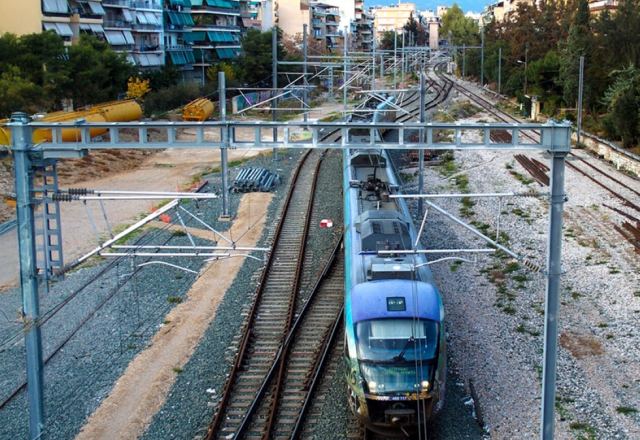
395 345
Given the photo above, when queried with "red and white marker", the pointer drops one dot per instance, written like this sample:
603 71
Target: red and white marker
326 223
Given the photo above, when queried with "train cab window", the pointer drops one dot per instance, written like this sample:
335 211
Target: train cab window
397 339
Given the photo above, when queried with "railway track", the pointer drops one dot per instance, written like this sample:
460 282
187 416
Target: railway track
605 180
271 314
279 368
146 236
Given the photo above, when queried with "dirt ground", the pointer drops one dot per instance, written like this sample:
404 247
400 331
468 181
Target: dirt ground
142 389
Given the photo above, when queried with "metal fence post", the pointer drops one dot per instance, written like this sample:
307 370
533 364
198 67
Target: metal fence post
224 150
21 144
499 70
482 59
402 60
554 270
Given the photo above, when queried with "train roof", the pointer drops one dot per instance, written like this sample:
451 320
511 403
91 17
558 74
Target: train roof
395 299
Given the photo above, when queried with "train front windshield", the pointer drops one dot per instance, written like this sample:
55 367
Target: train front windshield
397 340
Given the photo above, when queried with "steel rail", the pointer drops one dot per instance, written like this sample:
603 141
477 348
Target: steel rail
49 314
490 107
247 331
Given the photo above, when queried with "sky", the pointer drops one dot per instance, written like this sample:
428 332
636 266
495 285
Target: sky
466 5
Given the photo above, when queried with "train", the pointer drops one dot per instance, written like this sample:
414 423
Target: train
395 344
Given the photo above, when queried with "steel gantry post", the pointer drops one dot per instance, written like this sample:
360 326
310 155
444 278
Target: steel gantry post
373 65
395 57
274 82
499 70
21 134
423 94
304 72
344 74
482 59
224 151
402 59
554 270
464 60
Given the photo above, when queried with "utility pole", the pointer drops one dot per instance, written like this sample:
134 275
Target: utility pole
499 70
373 65
402 59
580 89
304 72
423 95
344 74
21 137
274 84
526 61
224 150
554 270
395 57
202 64
482 59
464 60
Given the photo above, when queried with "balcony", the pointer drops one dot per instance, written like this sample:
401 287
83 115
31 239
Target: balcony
116 3
117 24
147 4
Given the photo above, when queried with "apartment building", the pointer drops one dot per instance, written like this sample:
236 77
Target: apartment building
67 18
596 7
325 24
389 18
216 31
362 28
503 9
177 32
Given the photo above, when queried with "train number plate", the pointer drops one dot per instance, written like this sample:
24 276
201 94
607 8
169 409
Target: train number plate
396 304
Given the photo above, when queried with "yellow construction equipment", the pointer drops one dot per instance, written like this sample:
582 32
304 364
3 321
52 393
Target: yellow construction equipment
115 111
198 110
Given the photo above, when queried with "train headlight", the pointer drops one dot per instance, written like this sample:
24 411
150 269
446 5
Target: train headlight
372 385
424 385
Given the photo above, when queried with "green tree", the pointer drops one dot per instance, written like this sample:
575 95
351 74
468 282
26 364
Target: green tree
254 64
578 44
623 100
387 40
18 93
97 73
463 29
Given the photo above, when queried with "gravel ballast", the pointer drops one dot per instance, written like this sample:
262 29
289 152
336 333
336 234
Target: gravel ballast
84 371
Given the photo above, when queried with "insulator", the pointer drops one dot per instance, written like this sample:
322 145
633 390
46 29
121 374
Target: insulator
531 265
63 197
80 191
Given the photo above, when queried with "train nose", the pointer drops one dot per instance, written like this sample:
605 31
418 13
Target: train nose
400 417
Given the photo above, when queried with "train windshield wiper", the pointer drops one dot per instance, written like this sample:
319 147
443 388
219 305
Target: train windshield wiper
400 356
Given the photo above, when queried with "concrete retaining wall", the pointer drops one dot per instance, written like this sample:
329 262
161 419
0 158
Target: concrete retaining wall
620 158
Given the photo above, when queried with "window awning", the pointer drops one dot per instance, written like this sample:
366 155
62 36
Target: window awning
190 57
96 8
180 18
225 53
152 18
128 36
142 18
178 58
127 15
55 6
225 4
222 37
183 3
115 38
62 29
95 28
196 2
194 36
